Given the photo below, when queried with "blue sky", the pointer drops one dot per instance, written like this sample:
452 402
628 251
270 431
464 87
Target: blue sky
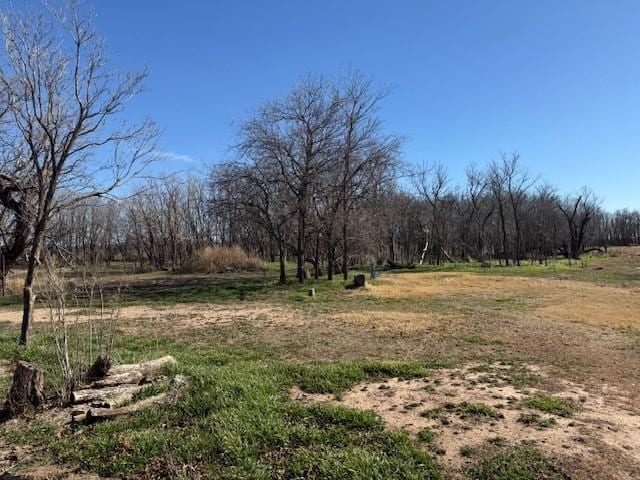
557 81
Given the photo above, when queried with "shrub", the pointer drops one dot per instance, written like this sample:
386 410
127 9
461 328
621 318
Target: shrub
221 259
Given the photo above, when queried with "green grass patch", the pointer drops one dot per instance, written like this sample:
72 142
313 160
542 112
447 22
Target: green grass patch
551 404
477 340
427 435
467 451
536 420
335 378
42 433
150 390
475 410
498 441
234 420
517 463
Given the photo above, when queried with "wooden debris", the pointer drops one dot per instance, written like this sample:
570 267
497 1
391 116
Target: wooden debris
108 397
391 265
135 377
134 373
152 366
98 414
103 398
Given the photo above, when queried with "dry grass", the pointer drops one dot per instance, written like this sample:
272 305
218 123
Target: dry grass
221 259
552 299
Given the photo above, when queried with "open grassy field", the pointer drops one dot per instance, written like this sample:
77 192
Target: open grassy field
456 372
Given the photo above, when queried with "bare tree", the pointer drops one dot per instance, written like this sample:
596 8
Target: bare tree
432 185
497 185
254 188
518 182
298 136
480 208
62 102
367 157
578 211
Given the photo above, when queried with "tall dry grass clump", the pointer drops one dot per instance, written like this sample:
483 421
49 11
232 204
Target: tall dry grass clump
220 259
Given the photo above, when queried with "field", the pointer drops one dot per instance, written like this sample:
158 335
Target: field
456 372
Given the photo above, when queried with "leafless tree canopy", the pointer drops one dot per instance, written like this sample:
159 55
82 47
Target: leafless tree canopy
62 139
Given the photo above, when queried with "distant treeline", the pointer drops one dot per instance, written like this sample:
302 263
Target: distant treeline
315 179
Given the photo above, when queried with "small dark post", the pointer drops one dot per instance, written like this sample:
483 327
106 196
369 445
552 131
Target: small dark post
374 272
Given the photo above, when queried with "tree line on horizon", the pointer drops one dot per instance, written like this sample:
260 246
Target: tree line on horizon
428 222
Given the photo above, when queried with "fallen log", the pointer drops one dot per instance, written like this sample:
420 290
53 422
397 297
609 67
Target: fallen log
98 414
134 373
391 265
135 377
152 366
108 397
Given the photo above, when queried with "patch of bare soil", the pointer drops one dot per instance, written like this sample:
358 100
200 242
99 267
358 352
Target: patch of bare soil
176 317
473 411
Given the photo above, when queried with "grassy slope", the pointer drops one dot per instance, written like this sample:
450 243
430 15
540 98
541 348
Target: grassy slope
236 421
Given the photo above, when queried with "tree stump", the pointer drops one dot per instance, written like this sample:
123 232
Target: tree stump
27 390
99 369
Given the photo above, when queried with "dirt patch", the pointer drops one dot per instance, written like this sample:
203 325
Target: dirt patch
469 411
180 316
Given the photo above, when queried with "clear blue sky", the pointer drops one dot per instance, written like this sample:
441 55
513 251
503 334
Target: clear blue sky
559 81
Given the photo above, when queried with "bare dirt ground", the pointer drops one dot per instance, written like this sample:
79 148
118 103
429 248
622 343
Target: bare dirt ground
601 439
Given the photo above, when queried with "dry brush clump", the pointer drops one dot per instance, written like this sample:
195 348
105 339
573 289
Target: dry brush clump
221 259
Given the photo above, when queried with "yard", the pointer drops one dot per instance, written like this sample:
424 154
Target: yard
441 372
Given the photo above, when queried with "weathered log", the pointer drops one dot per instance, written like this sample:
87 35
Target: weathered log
135 377
134 373
98 414
27 390
108 397
152 366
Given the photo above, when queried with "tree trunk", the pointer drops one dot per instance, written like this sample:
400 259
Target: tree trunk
28 295
316 264
345 253
330 260
283 263
518 236
300 252
27 390
424 251
505 250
